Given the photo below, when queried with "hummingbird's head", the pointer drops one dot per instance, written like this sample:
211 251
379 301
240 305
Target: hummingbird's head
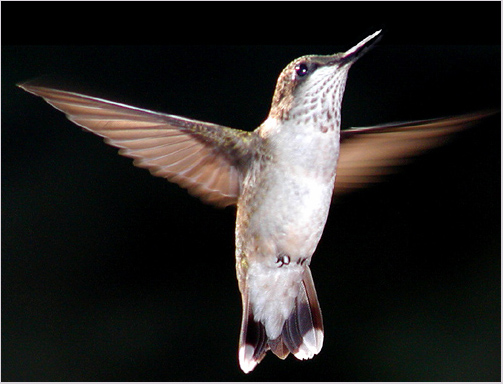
311 87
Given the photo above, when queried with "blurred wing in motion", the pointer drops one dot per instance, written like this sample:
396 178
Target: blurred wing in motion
202 157
368 154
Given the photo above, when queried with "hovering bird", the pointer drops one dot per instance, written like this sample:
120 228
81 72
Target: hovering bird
282 177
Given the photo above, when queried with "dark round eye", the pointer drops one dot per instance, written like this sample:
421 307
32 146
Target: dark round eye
301 69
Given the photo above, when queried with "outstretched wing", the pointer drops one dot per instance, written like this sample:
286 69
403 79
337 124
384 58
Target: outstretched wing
367 154
204 158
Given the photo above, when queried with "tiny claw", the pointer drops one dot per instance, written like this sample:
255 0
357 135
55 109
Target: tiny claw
284 260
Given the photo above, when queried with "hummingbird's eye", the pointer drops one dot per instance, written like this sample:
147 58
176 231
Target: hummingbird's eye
301 69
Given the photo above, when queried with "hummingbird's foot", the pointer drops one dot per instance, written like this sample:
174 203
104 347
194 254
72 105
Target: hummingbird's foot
302 261
284 260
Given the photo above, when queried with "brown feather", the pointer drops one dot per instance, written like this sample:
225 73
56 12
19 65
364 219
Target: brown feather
368 154
202 157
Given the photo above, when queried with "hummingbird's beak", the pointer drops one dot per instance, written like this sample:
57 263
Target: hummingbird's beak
361 48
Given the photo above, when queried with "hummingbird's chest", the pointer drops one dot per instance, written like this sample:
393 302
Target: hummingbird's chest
287 194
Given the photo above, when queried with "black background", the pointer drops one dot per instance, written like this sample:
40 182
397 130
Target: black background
111 274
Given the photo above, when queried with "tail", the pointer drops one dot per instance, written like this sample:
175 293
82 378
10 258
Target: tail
302 333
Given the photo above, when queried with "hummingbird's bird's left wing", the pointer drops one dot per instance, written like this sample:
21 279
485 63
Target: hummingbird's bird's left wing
370 153
202 157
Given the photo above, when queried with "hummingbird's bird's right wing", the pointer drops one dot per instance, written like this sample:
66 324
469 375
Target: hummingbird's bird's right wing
368 154
202 157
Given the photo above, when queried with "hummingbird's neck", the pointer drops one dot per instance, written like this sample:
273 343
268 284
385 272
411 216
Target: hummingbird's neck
316 104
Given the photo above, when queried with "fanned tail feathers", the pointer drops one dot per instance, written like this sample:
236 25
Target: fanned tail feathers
302 333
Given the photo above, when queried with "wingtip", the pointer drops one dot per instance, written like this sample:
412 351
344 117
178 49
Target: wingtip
54 83
25 85
32 83
31 86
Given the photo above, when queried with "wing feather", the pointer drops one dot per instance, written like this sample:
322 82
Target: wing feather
368 154
204 158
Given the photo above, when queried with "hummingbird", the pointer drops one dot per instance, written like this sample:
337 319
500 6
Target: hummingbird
282 177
